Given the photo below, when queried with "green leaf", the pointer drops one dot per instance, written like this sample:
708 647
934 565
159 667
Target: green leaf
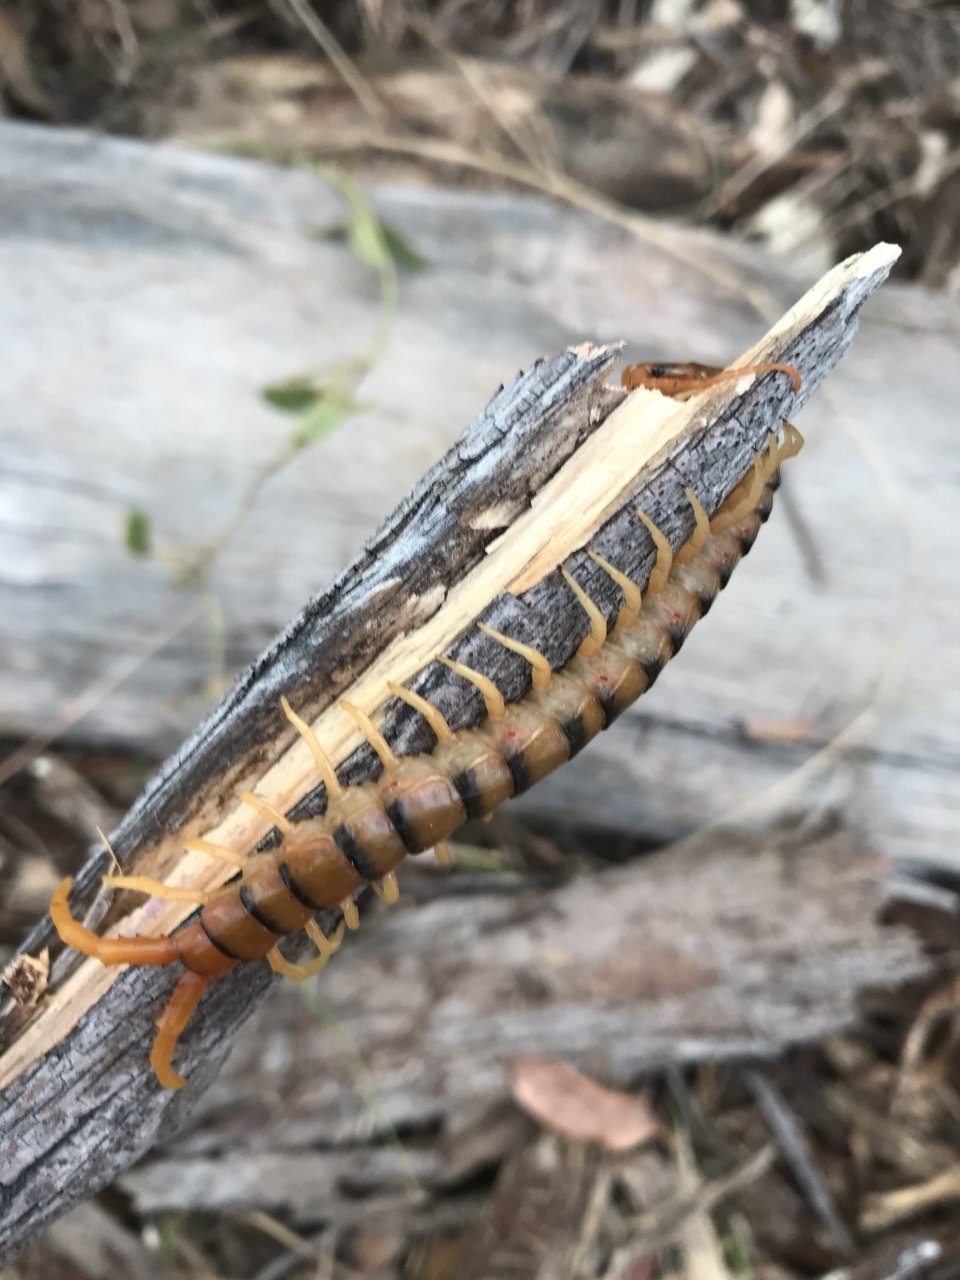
137 531
401 250
325 416
295 395
367 240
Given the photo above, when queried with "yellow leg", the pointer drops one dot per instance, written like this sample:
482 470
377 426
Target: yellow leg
442 850
735 507
326 946
301 972
388 890
632 596
701 531
598 623
351 916
267 810
492 697
434 718
542 671
219 851
324 764
157 889
372 734
664 562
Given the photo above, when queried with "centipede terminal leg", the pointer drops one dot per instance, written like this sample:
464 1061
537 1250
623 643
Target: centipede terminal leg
170 1026
136 950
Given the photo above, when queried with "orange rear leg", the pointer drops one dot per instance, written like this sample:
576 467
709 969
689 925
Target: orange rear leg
107 950
179 1009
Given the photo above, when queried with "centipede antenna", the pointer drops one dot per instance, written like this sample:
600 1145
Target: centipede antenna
542 672
700 533
664 562
157 889
724 375
267 810
326 946
351 916
327 772
598 623
442 851
492 697
372 734
433 716
388 890
632 595
219 851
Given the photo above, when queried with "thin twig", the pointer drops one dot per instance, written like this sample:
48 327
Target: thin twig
797 1152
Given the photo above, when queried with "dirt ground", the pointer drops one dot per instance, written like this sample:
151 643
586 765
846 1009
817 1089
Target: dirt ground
816 127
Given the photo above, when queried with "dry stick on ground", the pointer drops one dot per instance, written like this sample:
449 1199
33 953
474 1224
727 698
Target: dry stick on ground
79 1102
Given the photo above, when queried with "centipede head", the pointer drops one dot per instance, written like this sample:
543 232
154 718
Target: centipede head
668 379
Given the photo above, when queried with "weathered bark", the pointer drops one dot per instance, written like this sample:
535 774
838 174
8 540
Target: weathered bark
79 1102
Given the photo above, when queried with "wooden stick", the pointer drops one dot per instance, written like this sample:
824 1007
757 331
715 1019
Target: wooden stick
79 1102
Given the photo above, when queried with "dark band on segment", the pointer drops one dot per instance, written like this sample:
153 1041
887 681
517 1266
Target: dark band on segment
517 764
246 899
575 733
652 669
397 813
354 852
295 889
224 951
470 792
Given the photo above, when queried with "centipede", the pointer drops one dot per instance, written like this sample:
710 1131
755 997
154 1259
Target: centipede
419 801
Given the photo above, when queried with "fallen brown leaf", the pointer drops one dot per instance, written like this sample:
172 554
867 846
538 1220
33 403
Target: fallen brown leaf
568 1102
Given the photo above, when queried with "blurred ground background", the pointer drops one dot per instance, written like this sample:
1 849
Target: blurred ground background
809 129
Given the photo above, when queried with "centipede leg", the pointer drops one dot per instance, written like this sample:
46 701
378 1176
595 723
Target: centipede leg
541 671
134 950
388 890
218 851
325 947
664 561
694 544
170 1026
157 889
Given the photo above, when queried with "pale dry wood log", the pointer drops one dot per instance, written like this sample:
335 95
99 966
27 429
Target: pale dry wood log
79 1104
149 294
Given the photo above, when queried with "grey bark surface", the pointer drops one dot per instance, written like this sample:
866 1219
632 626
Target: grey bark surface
73 1119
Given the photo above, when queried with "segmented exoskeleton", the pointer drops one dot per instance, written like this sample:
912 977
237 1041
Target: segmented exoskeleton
419 800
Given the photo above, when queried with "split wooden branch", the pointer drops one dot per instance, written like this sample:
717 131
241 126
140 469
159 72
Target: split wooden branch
555 463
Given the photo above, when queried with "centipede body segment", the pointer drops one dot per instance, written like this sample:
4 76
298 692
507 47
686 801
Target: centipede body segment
418 801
